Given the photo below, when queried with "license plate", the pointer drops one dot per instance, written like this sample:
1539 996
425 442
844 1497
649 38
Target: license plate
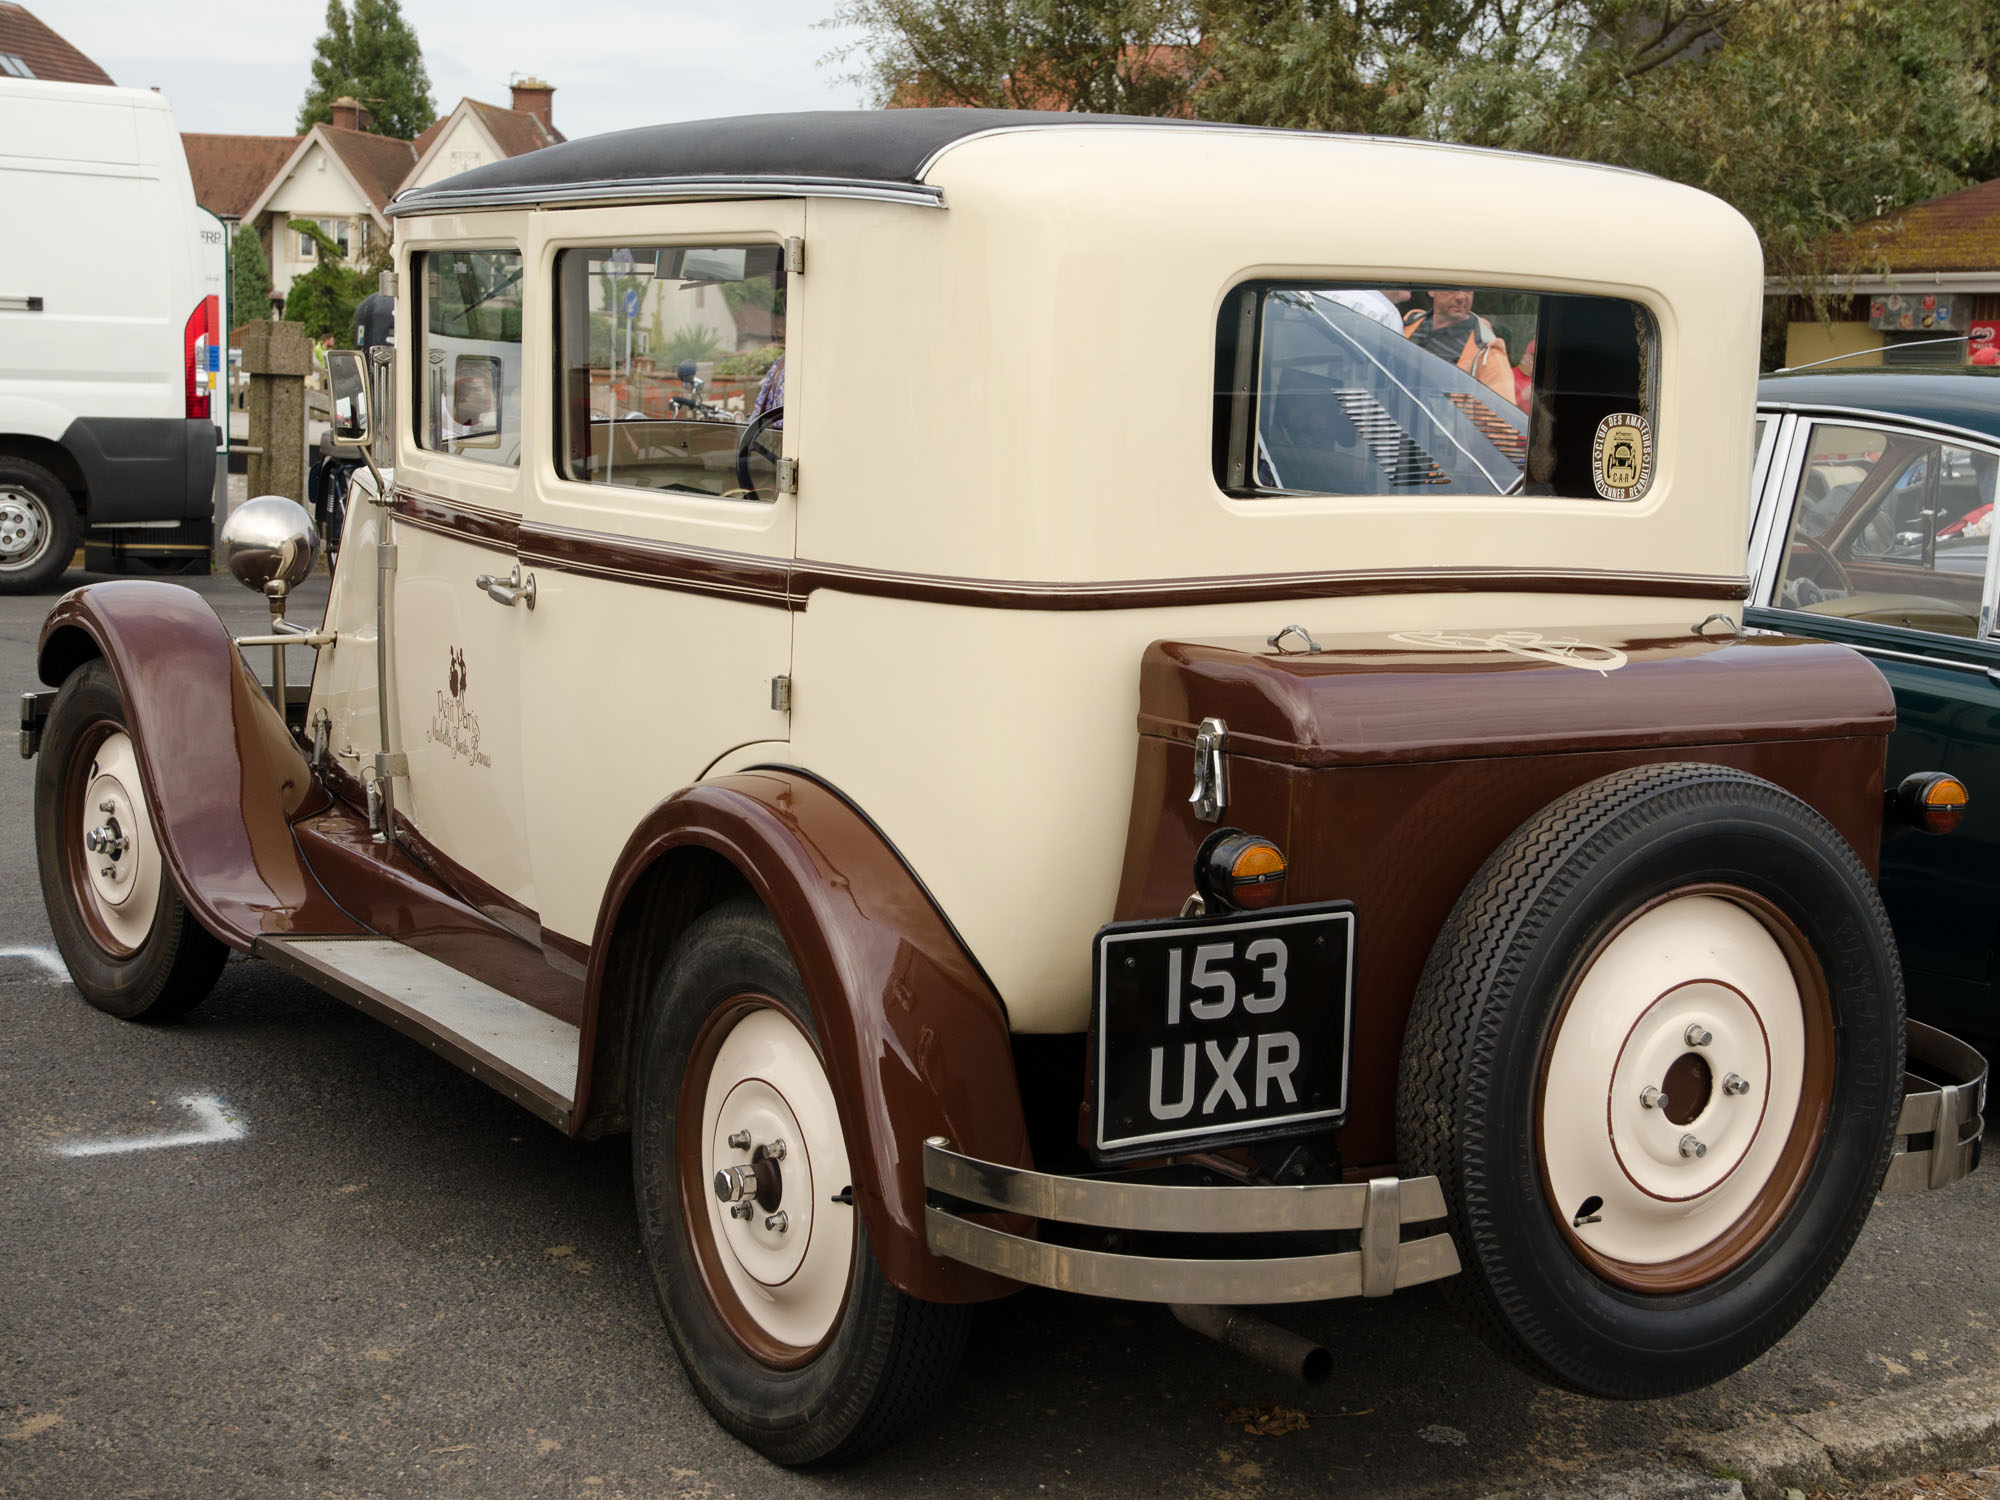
1221 1029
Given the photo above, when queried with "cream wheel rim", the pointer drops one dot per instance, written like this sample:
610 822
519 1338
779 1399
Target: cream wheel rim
768 1104
1674 1084
121 858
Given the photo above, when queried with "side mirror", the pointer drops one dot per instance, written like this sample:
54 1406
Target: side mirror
347 375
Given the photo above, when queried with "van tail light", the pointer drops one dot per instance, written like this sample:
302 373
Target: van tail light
203 332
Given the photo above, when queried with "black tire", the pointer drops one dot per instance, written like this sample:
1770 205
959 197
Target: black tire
888 1358
171 962
1476 1091
38 527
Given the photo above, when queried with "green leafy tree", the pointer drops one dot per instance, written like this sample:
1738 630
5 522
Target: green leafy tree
325 297
370 53
1807 115
249 277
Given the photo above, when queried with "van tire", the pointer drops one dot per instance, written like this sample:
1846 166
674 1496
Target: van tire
38 527
863 1362
1655 1062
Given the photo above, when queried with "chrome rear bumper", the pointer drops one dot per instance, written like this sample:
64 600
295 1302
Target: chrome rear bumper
1378 1209
1952 1114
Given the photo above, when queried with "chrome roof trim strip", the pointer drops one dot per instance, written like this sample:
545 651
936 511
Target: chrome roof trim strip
662 189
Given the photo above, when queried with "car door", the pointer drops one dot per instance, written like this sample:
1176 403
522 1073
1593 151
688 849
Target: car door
457 639
657 526
1879 535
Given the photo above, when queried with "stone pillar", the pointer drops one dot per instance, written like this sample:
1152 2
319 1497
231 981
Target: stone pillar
277 357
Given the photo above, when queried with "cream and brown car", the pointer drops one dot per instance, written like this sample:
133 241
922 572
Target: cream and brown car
1027 699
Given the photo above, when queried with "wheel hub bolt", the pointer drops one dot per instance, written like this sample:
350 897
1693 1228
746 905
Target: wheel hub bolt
739 1140
741 1210
1735 1083
735 1184
1692 1148
779 1222
1698 1036
773 1152
1652 1098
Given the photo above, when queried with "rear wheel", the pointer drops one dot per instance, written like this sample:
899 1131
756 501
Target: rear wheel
789 1331
1656 1062
37 527
132 946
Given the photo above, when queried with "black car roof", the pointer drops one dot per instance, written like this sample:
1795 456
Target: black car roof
814 153
1967 399
815 150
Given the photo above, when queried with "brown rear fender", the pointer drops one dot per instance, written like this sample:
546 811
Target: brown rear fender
224 775
916 1041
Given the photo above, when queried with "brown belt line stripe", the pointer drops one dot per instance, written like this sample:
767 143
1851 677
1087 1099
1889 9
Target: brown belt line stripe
787 584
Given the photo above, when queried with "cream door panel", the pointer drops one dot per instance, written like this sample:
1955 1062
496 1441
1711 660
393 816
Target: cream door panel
457 670
639 683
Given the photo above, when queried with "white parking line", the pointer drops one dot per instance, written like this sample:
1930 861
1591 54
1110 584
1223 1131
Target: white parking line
47 959
217 1125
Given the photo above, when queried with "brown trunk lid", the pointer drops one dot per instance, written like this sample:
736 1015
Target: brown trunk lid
1419 696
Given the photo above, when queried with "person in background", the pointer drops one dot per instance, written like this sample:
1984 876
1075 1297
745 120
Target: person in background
1524 377
771 394
1453 331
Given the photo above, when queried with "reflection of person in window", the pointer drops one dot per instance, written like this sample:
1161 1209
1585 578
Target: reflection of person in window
1453 331
771 394
471 410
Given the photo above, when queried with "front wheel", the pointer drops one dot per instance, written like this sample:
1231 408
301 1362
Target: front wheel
1656 1063
133 948
789 1331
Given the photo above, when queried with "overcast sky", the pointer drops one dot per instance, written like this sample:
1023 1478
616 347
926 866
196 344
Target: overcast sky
240 66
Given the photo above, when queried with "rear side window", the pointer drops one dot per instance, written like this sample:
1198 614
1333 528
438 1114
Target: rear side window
1342 388
672 368
469 354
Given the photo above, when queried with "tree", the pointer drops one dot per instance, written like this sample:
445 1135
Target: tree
1807 115
372 55
325 297
249 277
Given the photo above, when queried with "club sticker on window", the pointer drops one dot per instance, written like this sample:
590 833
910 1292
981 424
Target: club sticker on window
1621 460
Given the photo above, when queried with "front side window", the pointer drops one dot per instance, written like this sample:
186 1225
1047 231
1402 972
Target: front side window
469 354
1891 528
672 368
1346 389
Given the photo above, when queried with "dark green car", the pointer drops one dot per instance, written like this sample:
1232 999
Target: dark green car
1873 525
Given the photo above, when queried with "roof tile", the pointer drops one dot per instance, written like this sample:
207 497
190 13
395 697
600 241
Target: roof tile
47 55
1958 232
230 171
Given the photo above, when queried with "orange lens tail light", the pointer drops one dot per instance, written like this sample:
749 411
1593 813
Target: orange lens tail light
1240 871
1932 801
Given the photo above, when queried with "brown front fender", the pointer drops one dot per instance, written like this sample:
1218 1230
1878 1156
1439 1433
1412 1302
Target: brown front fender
224 776
916 1041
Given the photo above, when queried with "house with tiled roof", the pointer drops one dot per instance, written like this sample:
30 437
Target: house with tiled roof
341 175
1920 286
29 49
231 171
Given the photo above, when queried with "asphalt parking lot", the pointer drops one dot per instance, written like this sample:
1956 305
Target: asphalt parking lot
361 1273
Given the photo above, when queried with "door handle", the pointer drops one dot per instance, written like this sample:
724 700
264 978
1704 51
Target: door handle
512 590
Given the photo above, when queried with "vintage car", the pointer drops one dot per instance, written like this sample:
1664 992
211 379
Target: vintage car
1873 526
1123 762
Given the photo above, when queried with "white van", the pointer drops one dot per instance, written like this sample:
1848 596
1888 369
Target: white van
108 309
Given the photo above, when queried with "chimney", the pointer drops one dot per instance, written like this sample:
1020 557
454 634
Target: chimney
533 97
348 113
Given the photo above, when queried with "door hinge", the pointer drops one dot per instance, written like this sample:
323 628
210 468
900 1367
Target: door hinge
795 255
386 283
781 693
788 476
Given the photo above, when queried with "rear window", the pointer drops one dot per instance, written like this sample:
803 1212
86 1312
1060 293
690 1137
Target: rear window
1345 388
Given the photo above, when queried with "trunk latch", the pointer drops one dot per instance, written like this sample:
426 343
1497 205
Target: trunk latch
1211 785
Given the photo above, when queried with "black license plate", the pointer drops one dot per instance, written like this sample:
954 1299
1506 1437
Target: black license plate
1221 1029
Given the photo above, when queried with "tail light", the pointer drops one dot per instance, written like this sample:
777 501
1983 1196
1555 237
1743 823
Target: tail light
203 332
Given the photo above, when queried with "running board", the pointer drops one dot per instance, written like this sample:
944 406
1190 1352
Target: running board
526 1054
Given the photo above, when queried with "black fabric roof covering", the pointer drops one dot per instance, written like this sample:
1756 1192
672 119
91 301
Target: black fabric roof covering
887 145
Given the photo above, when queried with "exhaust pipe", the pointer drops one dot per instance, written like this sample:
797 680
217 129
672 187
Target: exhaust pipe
1273 1347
